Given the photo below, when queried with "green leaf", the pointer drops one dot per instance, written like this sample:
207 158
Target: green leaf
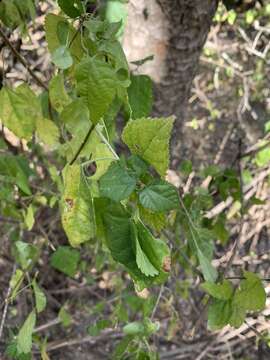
72 8
238 314
103 158
156 250
15 283
76 118
140 96
134 328
142 260
137 165
57 92
15 110
75 114
16 170
24 339
117 11
121 347
16 13
26 254
113 49
220 231
76 207
251 294
62 58
29 218
263 157
223 291
48 132
230 308
60 32
9 14
219 313
155 220
159 196
40 297
64 317
95 330
31 8
150 326
97 85
146 328
116 183
209 272
120 239
149 138
119 233
122 235
102 32
65 259
186 167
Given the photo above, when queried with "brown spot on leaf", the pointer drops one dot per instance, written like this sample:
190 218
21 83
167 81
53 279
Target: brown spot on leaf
70 203
166 266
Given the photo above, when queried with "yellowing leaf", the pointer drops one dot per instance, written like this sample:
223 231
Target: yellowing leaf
149 138
57 92
60 32
19 110
29 218
77 212
47 132
153 219
103 158
24 339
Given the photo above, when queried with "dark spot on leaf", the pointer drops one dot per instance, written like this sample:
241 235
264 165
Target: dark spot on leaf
90 169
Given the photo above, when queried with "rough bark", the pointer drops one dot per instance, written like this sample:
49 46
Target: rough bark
189 23
174 31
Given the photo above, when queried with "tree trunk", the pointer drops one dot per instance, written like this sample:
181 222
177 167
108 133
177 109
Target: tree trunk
175 32
189 24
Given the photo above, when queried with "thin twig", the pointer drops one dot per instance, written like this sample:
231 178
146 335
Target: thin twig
6 303
87 339
47 325
243 278
22 60
157 302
